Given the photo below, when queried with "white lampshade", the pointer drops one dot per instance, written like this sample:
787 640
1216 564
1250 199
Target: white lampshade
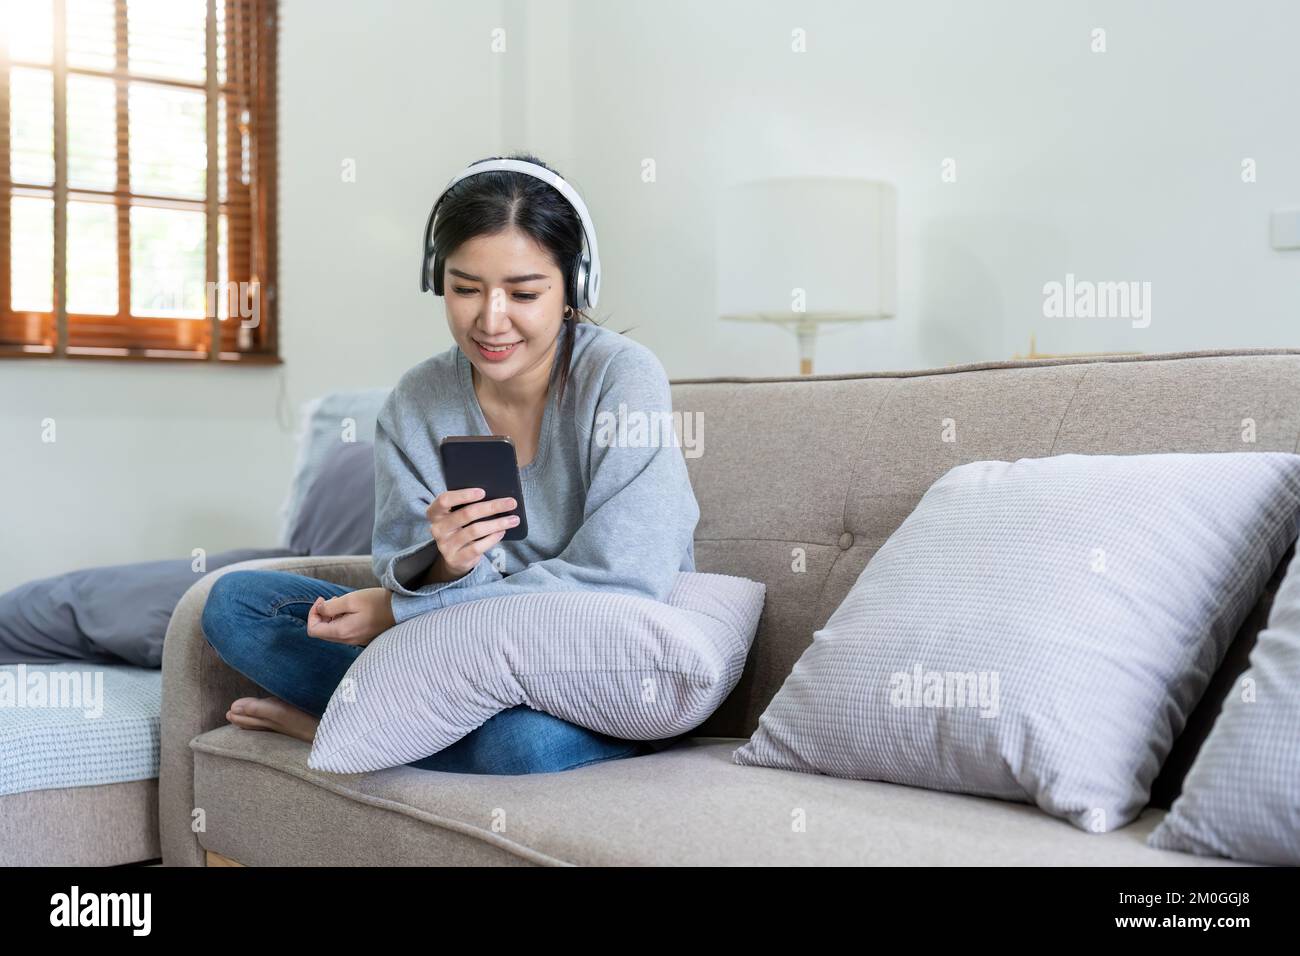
832 237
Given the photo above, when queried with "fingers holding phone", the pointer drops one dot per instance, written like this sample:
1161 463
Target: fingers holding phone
483 484
456 521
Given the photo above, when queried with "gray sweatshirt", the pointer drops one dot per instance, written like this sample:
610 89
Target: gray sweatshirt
609 502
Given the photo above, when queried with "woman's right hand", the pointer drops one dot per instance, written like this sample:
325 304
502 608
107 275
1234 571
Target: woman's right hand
460 537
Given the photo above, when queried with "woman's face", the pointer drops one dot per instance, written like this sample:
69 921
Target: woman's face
504 290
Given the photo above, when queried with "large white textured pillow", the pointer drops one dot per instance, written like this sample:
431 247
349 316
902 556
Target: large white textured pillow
1241 798
621 665
1038 630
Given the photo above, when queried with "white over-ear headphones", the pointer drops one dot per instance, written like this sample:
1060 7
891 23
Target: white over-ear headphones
585 289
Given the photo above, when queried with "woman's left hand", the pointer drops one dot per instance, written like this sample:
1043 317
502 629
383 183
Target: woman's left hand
357 617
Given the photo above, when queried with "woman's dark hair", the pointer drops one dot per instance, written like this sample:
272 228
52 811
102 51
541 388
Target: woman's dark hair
493 202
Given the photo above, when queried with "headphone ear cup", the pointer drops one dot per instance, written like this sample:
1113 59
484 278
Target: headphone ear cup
436 284
590 291
580 284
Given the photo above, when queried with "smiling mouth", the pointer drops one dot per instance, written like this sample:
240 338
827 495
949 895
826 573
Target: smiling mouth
503 347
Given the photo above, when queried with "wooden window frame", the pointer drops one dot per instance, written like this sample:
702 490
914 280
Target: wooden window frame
251 28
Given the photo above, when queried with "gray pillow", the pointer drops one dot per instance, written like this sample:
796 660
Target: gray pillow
1241 798
622 665
1038 630
326 422
106 614
337 515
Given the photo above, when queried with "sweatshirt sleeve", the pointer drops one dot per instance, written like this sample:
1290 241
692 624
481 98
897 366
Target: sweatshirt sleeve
402 499
640 512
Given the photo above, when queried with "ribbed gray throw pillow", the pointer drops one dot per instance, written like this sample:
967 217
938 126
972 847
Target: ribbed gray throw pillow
1241 798
1038 630
621 665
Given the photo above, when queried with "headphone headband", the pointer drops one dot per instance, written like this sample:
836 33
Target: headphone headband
587 280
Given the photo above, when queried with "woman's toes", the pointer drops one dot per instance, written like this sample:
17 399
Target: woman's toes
255 713
260 707
272 713
247 722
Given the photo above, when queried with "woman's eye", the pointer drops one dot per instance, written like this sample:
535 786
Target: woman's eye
524 296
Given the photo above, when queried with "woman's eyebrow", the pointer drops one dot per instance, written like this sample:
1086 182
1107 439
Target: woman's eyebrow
527 278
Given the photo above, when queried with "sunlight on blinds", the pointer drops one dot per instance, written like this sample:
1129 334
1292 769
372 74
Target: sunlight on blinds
29 26
112 124
91 44
32 249
167 38
31 126
167 262
92 132
92 258
168 142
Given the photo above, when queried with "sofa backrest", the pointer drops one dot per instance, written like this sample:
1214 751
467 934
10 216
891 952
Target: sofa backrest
802 479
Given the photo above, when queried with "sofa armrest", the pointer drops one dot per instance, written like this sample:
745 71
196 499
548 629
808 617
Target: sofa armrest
197 688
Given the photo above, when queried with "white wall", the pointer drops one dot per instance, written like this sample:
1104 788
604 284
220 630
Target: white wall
1123 165
1116 166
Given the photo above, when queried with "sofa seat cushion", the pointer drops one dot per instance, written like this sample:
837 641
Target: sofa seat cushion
687 805
77 725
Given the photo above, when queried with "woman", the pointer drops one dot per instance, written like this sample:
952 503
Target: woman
603 514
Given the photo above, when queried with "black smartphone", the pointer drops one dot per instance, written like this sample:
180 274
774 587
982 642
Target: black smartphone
487 462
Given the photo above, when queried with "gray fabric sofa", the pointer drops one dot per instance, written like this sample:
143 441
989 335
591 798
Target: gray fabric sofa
829 463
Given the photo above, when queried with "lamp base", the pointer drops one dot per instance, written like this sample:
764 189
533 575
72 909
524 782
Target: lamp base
807 334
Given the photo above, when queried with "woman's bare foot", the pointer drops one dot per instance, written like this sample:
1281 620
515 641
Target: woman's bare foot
271 713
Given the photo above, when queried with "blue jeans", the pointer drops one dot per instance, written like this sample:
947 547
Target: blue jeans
256 621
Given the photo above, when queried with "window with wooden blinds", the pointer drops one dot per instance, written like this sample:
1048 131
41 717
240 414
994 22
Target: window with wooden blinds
138 178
